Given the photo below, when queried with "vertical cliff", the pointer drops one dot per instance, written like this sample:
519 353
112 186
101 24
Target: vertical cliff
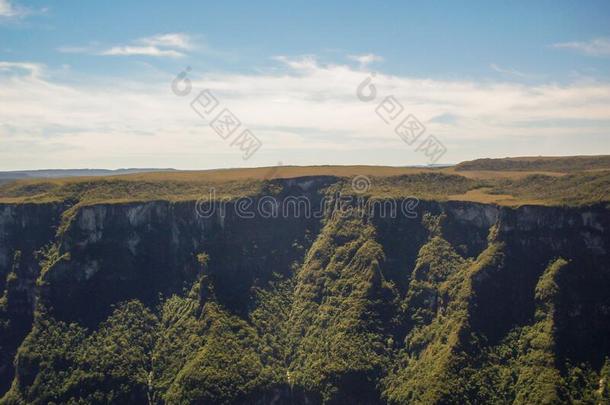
460 302
25 229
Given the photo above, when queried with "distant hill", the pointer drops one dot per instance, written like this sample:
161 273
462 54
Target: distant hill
563 164
59 173
547 186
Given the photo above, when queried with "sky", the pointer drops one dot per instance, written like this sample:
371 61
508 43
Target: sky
117 84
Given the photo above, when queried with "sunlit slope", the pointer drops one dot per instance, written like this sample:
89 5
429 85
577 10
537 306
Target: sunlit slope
551 181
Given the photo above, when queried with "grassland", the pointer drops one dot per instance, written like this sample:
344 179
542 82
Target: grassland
513 182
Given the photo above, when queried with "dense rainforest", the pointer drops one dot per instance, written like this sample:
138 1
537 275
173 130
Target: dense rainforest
146 302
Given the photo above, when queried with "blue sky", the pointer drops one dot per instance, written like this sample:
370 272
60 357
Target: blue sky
87 84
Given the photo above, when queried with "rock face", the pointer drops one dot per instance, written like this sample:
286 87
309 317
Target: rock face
118 252
102 255
24 230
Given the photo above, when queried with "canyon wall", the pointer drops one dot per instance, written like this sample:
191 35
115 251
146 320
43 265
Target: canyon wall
373 306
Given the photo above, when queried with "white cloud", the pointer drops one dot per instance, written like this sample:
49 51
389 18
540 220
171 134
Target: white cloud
173 40
507 71
308 107
8 9
594 47
141 50
34 69
303 63
171 45
366 59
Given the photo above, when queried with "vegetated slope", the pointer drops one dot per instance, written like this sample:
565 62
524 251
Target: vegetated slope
498 187
563 164
146 302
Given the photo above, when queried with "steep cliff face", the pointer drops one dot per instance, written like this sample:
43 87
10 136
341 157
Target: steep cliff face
24 230
118 252
533 237
323 308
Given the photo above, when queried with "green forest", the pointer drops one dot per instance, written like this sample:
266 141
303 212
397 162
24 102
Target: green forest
339 325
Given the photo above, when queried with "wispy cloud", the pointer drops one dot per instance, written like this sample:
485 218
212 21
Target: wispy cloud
308 106
508 71
141 50
9 9
366 59
593 47
173 40
302 63
171 45
33 69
